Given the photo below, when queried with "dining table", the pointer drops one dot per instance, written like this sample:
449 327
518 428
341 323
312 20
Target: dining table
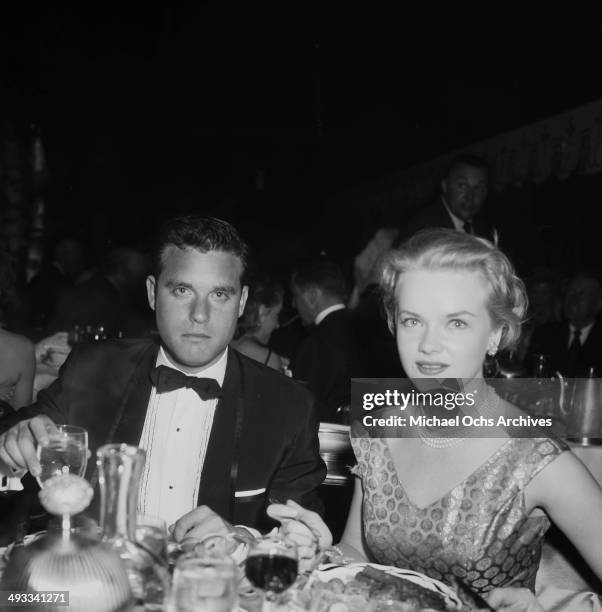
557 589
562 582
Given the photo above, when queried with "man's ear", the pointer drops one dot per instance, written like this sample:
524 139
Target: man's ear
151 288
244 294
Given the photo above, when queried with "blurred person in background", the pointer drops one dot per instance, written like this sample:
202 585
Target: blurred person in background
327 357
55 278
378 357
460 204
17 359
112 298
574 345
545 306
258 321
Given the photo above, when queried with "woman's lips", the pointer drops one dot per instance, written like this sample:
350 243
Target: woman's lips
431 368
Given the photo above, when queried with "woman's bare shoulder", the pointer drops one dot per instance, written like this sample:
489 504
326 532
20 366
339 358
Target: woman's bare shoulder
15 343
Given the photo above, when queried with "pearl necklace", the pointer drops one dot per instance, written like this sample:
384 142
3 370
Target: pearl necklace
488 407
433 442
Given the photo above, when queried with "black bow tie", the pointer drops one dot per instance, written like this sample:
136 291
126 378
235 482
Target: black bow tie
167 379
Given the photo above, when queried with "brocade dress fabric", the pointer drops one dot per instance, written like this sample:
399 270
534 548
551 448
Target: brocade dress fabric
479 531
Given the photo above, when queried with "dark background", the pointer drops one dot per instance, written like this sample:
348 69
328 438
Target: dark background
260 112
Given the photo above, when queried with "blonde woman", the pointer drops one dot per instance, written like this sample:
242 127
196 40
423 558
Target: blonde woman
463 507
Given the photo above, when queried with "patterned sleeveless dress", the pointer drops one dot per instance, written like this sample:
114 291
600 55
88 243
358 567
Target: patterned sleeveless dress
479 531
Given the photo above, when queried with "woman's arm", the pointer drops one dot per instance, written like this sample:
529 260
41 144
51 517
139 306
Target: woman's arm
352 542
24 386
573 500
310 533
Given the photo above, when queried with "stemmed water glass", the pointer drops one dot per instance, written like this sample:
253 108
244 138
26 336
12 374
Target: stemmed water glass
272 565
65 452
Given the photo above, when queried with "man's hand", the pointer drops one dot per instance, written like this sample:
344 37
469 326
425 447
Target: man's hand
512 599
199 523
18 445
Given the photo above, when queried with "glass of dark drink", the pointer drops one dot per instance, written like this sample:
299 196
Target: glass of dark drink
272 565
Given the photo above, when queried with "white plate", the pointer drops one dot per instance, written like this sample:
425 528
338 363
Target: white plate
347 572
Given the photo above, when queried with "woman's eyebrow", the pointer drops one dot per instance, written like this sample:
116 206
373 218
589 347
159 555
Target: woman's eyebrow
462 313
409 312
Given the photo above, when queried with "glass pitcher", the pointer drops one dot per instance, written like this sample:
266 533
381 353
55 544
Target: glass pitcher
119 471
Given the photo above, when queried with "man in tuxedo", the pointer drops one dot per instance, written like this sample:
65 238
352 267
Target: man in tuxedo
327 357
575 344
224 435
459 206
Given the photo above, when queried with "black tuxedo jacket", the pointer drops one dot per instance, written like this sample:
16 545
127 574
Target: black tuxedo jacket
553 339
326 359
106 387
436 215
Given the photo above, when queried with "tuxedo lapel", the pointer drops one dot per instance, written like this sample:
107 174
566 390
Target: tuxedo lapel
128 419
214 489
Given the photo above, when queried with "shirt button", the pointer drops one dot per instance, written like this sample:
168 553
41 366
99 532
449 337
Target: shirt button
177 429
170 487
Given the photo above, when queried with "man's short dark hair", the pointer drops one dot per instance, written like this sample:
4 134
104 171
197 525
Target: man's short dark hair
322 273
474 161
201 233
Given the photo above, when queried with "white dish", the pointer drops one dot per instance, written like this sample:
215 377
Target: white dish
324 573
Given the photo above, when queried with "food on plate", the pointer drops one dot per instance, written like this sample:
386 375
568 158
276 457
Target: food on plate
369 590
389 586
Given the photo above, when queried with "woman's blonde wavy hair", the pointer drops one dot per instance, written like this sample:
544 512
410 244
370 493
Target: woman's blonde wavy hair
446 249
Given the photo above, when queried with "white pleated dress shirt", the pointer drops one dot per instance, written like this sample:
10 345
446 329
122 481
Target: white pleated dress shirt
175 437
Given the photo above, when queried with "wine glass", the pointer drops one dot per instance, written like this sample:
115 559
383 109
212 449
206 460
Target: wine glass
65 452
272 565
